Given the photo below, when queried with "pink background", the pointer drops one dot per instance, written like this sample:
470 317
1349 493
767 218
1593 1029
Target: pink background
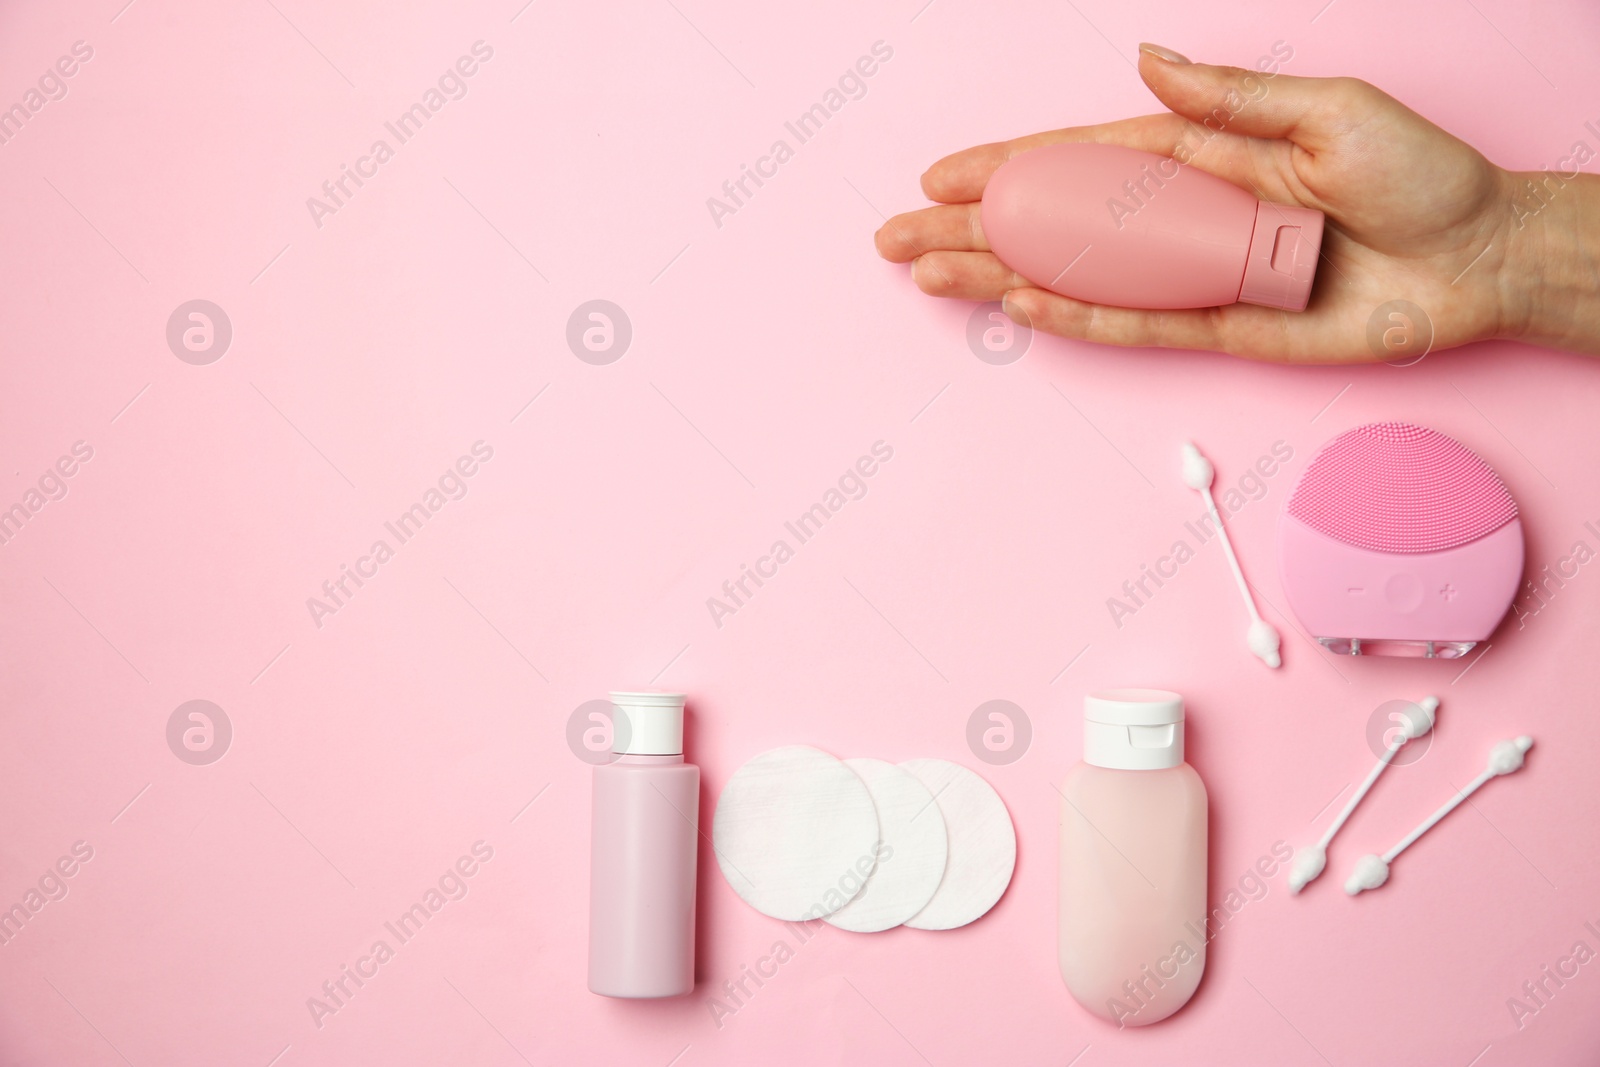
767 355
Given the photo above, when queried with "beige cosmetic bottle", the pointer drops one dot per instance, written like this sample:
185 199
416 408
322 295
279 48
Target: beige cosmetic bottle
1132 939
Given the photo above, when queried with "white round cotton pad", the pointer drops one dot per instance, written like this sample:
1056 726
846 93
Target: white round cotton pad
912 846
983 845
795 833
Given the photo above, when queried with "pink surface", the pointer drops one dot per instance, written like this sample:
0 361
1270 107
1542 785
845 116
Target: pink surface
407 347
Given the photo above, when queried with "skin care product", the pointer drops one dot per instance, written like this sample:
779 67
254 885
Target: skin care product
645 837
1113 225
1400 541
1132 933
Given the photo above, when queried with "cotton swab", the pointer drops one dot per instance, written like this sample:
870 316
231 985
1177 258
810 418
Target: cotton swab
1416 720
1372 871
1261 637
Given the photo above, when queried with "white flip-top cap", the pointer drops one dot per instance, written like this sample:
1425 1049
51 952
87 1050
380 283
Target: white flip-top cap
1133 729
647 724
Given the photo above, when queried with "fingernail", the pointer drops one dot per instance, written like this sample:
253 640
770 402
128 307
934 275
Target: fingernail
1163 53
1013 312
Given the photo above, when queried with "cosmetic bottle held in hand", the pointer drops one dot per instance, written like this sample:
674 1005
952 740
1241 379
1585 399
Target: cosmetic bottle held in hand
645 838
1113 225
1132 935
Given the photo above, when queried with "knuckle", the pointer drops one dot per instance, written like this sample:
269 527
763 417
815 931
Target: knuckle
1353 92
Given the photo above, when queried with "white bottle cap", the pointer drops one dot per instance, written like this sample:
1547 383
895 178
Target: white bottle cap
647 724
1133 729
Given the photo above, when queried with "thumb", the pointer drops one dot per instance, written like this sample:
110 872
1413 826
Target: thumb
1247 102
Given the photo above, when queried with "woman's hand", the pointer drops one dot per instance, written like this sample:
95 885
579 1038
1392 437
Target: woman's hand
1414 215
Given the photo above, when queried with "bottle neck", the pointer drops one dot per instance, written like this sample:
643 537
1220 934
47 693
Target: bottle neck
676 757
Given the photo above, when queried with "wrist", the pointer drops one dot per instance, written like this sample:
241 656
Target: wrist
1550 275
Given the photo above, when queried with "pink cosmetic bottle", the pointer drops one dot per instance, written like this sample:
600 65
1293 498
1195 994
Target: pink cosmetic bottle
1132 933
1113 225
645 834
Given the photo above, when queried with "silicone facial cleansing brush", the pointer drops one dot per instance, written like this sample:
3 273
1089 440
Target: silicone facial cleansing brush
1400 541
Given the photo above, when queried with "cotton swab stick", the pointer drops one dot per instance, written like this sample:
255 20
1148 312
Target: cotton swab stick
1416 720
1261 637
1372 871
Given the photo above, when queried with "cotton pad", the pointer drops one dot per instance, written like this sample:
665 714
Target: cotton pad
795 833
983 845
911 852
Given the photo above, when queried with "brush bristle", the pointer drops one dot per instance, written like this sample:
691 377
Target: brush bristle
1395 487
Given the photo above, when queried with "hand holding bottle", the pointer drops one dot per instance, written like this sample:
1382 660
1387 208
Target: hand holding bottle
1414 214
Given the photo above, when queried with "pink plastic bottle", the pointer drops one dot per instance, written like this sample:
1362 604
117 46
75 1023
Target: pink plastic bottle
646 825
1133 861
1114 225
